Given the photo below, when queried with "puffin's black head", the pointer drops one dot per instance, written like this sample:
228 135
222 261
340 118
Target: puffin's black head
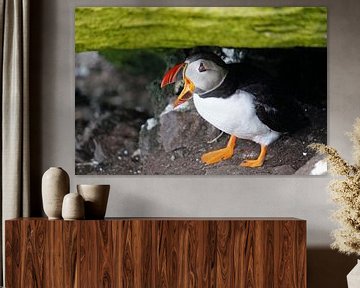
202 73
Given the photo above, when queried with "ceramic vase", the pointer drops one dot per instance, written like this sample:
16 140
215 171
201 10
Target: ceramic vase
73 207
96 198
55 185
353 278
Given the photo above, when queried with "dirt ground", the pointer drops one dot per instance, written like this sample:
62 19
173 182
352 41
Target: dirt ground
116 149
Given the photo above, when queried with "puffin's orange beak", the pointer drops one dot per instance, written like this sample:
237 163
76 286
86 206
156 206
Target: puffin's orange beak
170 76
189 87
186 93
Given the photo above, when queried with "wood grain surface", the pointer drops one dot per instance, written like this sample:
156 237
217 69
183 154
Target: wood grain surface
245 253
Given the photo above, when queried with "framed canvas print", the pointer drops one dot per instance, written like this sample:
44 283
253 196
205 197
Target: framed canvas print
200 91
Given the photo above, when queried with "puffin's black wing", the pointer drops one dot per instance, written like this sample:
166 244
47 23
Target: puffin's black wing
274 106
276 110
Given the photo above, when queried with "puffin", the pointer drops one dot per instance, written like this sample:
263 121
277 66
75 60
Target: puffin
239 99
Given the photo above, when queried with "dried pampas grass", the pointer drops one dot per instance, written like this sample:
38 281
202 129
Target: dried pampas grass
345 191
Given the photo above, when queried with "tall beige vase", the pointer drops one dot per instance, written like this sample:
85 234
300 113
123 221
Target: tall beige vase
96 198
55 185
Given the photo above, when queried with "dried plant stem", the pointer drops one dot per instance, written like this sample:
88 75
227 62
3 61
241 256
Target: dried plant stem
345 191
355 138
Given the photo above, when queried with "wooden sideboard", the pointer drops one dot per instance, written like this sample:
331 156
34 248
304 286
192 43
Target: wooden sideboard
156 252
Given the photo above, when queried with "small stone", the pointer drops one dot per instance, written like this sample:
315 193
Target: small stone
136 153
179 153
320 168
151 123
178 129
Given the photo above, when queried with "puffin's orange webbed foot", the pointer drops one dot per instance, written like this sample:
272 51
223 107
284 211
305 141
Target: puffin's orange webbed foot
217 155
252 163
256 162
221 154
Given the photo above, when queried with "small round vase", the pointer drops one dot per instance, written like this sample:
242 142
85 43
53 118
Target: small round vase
55 185
96 198
73 207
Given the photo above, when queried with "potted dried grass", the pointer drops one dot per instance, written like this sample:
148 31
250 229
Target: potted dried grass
345 192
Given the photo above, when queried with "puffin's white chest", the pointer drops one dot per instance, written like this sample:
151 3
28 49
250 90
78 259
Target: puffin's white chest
235 115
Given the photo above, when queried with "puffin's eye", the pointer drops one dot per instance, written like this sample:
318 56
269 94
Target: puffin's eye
202 67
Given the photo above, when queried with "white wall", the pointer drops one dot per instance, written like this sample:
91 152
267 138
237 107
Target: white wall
52 92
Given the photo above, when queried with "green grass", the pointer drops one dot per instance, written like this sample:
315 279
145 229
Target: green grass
109 28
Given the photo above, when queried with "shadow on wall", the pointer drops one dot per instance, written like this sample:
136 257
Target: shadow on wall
36 65
328 268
